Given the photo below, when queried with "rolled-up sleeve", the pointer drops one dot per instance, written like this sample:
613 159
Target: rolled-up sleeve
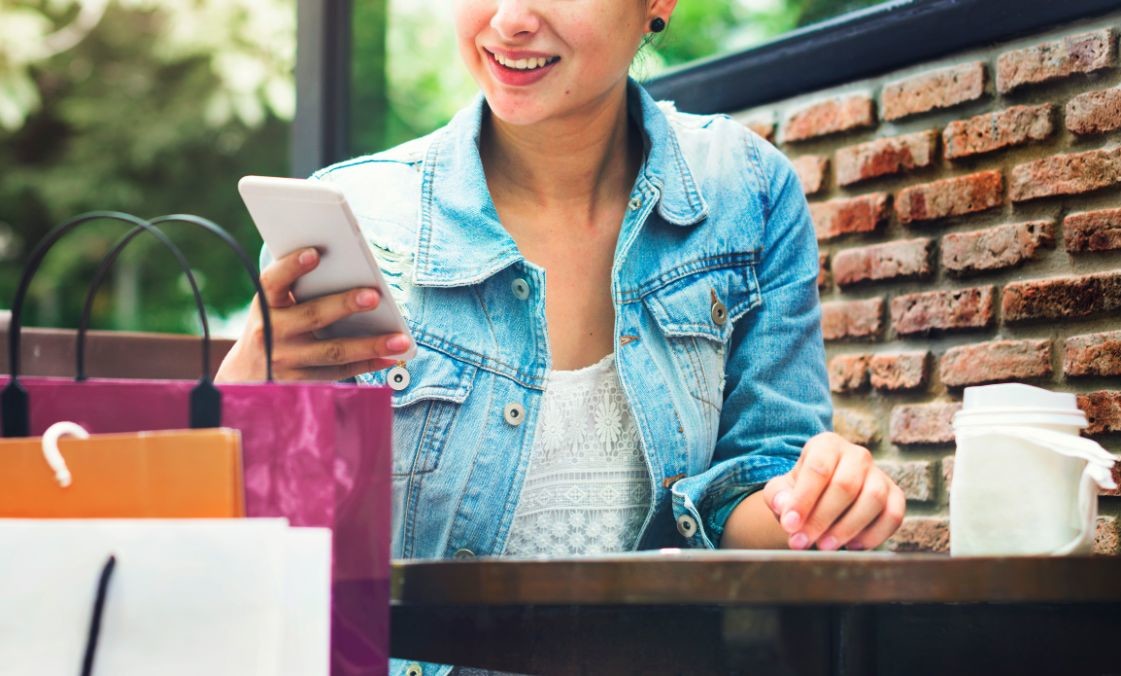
776 395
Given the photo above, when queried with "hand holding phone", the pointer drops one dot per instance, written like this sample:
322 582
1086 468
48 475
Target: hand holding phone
331 312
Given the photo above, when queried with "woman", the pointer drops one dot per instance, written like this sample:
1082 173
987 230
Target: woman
615 309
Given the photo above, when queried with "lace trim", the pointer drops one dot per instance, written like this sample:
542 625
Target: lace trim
586 489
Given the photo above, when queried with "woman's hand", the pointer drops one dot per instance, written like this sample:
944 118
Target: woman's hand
835 497
297 353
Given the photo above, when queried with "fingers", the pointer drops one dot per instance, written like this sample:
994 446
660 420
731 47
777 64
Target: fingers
843 488
811 476
327 373
277 279
313 315
885 524
868 506
340 352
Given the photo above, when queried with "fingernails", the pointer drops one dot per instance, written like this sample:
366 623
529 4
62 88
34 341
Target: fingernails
828 543
398 343
854 546
782 500
367 298
308 257
799 541
790 521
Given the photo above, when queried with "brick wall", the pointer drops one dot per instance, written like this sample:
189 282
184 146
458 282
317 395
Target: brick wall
968 213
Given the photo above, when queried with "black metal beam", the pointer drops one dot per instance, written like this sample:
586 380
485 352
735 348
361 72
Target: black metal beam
861 44
320 129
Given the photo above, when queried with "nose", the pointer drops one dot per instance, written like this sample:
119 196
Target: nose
515 19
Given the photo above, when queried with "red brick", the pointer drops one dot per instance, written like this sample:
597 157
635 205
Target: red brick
1107 537
950 197
811 171
886 156
1103 410
764 128
896 372
894 260
1116 492
995 131
852 319
916 478
855 426
848 372
829 117
995 248
1095 112
928 534
942 310
948 472
923 423
1093 231
847 216
938 89
1062 297
995 361
1083 53
823 278
1093 354
1072 174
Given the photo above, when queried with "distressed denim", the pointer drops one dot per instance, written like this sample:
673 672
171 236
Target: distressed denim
717 329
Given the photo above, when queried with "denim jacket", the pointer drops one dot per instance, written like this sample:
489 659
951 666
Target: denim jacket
717 328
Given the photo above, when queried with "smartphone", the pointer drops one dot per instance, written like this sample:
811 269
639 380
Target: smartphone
293 214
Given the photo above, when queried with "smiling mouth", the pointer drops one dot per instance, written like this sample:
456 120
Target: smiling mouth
523 64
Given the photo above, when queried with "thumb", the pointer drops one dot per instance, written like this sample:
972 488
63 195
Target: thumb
778 493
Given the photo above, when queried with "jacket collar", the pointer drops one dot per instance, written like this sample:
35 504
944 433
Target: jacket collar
460 240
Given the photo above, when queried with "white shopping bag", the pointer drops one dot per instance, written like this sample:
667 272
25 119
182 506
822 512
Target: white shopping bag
214 597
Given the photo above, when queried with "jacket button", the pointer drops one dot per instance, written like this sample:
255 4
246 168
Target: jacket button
398 378
719 313
687 526
463 553
635 203
520 288
514 414
414 669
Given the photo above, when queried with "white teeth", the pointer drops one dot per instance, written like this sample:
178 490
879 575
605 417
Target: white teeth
522 64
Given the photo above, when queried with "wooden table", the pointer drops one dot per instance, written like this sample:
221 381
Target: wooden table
680 611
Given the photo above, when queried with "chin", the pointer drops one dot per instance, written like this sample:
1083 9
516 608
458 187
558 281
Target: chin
521 110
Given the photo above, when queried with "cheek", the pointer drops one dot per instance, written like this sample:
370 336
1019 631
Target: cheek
471 19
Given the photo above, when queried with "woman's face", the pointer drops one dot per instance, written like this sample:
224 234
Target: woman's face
538 60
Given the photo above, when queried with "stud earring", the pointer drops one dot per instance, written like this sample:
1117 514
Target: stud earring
657 24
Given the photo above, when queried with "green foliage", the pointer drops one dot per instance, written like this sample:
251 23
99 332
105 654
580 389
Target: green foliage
130 120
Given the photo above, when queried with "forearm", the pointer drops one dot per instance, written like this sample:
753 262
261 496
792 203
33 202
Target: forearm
752 525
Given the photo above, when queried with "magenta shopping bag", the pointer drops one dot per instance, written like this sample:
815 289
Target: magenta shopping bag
318 454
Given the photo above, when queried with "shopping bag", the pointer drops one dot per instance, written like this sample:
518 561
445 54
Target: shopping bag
174 474
217 597
317 454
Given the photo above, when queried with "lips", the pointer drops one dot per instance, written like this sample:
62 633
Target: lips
516 77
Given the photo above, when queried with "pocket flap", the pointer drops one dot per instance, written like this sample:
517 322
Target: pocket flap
431 375
687 306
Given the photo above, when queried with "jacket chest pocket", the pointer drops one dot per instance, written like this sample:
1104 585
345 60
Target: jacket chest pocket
696 314
428 393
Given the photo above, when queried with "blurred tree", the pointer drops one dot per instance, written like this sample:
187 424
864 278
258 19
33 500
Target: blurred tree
151 108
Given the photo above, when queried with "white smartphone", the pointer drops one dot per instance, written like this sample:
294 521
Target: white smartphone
292 214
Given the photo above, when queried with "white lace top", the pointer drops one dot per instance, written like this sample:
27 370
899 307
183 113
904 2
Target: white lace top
586 489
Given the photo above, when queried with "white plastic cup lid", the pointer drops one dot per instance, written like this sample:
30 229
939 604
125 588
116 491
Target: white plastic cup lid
1030 404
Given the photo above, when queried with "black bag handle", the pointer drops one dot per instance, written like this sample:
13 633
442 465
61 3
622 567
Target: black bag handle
94 632
205 398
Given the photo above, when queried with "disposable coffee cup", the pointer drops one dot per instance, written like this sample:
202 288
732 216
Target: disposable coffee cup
1025 481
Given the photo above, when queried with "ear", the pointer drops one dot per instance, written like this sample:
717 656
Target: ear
662 8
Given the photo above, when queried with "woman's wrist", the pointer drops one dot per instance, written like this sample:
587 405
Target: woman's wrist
752 525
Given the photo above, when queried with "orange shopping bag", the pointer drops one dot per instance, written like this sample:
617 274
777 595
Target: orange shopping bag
169 474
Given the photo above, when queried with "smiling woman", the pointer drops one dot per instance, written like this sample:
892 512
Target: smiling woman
615 313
